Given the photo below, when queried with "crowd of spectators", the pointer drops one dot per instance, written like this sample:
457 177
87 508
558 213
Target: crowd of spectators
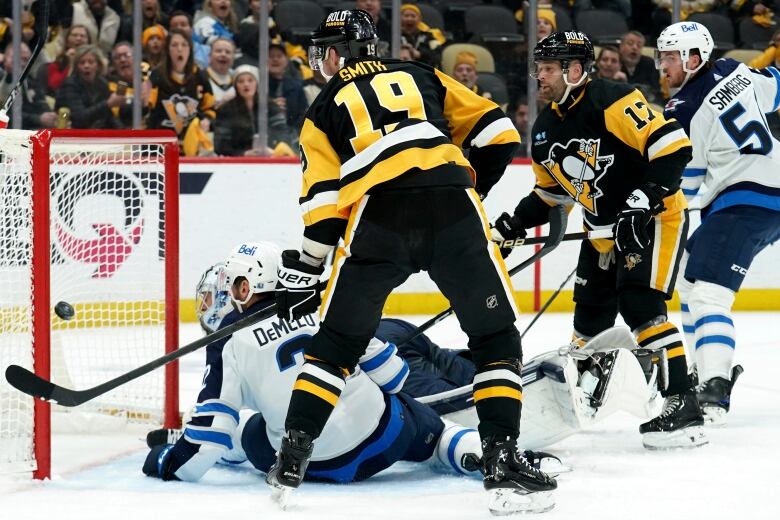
200 57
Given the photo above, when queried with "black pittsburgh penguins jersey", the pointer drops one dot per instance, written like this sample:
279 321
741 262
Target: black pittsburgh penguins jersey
381 122
604 145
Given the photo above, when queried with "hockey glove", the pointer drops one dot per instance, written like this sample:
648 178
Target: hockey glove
507 227
631 225
298 288
158 463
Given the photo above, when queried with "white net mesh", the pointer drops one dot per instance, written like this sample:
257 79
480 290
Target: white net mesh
16 409
107 239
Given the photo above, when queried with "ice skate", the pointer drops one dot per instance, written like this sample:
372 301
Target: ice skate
541 460
678 426
515 486
714 397
287 472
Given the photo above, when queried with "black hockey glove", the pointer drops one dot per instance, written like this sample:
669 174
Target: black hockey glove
158 463
298 288
507 227
631 225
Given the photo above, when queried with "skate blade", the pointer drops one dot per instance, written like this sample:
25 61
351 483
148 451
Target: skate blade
554 467
280 495
505 502
714 416
690 437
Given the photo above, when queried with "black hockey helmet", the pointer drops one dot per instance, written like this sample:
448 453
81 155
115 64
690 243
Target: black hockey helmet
565 46
351 32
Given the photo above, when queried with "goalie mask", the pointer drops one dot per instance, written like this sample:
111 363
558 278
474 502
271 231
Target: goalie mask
255 261
351 32
563 47
211 304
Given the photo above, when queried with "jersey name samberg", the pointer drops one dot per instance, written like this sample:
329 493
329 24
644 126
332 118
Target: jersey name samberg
729 91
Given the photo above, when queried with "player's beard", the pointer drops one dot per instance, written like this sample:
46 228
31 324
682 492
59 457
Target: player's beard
552 92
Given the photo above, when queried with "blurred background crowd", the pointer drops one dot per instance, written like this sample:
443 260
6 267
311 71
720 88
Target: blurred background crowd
201 67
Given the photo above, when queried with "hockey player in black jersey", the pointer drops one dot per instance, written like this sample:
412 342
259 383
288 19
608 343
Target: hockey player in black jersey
383 167
598 144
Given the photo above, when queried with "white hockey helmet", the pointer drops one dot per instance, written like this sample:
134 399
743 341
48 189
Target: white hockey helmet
211 303
685 37
255 261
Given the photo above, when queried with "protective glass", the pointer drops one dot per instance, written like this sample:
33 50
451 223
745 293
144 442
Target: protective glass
316 55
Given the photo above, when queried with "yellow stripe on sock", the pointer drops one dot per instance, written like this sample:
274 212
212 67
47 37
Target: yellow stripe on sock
647 333
675 352
498 391
308 386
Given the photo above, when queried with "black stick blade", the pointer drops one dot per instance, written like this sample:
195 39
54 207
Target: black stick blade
29 383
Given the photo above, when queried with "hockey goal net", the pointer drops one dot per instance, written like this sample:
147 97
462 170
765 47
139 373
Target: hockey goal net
89 218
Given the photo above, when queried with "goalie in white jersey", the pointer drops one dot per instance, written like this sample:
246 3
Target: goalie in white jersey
373 424
722 106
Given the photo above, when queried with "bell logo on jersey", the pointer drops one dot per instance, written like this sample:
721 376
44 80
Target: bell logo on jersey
577 167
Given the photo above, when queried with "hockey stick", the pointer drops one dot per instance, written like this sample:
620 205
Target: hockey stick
43 35
34 385
557 219
568 237
548 302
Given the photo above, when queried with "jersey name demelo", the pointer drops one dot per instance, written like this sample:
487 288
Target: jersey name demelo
360 68
730 89
280 328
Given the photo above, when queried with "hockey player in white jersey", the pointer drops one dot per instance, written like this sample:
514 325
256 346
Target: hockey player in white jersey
373 425
722 106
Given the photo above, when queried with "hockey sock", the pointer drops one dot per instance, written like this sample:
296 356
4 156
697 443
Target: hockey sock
314 396
498 398
684 290
455 442
658 334
710 308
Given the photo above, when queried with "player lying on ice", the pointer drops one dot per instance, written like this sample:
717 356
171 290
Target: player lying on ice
564 395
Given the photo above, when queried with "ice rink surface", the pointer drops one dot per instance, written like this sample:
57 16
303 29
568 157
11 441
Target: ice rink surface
613 477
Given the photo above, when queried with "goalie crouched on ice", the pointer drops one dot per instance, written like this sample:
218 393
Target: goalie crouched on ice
373 425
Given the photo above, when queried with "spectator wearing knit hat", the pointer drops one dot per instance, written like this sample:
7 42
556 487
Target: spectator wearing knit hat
153 41
546 21
465 71
423 42
236 122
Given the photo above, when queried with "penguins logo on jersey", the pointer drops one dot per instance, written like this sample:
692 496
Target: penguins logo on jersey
577 167
632 260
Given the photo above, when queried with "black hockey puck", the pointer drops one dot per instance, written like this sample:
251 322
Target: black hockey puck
64 310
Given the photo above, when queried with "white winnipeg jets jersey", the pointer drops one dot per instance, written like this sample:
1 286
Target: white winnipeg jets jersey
256 368
734 154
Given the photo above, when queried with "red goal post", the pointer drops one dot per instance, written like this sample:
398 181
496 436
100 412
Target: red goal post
97 228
